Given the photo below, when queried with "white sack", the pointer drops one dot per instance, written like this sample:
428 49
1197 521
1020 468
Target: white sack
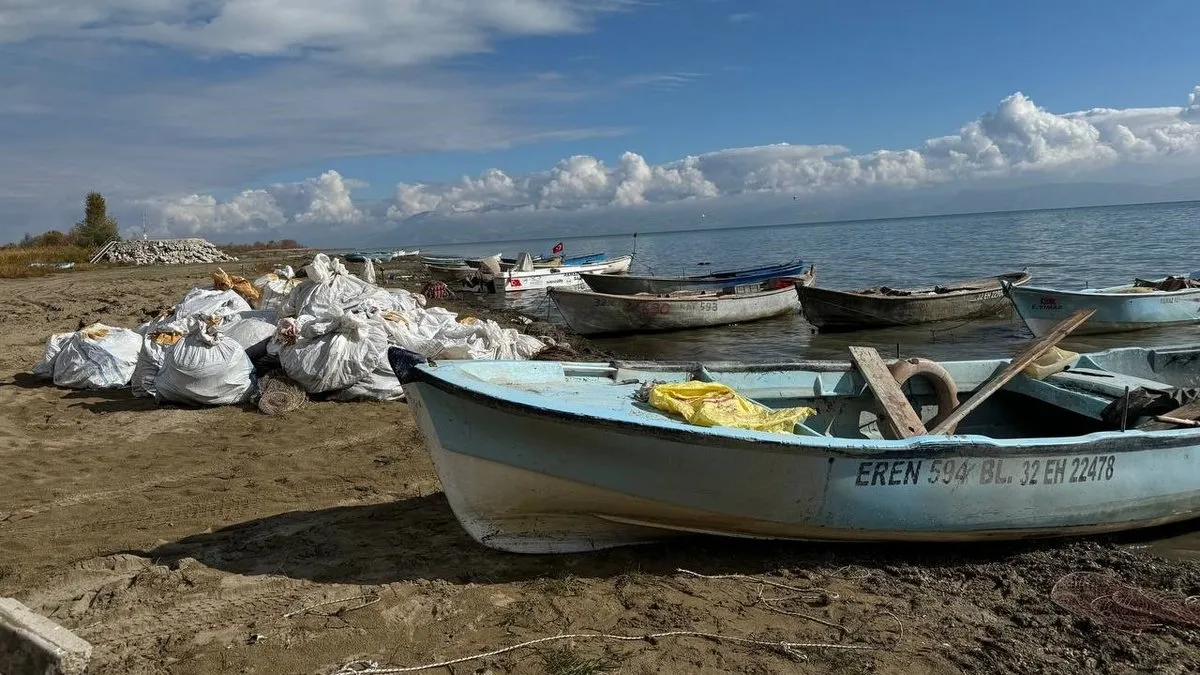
380 385
97 357
252 330
329 290
199 302
275 287
206 368
45 367
333 354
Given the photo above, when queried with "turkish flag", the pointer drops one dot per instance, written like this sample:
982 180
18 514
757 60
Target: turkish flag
558 248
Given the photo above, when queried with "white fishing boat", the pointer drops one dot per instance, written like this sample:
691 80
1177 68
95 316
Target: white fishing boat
1172 301
590 313
548 457
525 277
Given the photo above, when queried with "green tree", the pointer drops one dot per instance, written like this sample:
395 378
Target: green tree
97 226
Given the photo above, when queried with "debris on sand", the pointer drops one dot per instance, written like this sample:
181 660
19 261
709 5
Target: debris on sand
163 252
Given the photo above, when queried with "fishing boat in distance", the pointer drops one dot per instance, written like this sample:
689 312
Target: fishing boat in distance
833 311
631 284
524 277
557 260
575 461
1171 301
590 313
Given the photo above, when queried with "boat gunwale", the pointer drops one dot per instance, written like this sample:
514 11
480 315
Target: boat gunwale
666 298
712 277
1100 292
915 447
1021 279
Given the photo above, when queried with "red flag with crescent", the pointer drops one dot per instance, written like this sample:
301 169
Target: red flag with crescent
558 248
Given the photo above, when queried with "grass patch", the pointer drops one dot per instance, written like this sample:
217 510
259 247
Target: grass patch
15 261
568 661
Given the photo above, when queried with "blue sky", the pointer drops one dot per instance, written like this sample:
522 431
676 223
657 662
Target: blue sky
862 74
230 115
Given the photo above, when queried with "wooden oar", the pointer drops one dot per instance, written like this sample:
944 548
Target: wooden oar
1019 362
902 420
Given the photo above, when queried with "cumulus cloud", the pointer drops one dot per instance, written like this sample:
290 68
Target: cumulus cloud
1017 137
322 201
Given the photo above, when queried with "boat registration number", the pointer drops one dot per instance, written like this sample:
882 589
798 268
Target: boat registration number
1018 472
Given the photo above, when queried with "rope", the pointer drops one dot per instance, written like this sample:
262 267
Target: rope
370 598
789 648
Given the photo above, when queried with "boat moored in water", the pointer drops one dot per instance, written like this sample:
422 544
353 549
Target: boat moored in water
831 311
590 313
631 284
1171 301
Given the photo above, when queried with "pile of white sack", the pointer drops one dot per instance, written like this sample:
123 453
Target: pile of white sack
326 328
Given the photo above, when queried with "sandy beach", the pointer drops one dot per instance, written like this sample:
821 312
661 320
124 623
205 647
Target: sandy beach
226 541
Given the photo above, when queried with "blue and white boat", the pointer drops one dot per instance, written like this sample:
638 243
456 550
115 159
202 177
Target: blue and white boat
548 457
1173 301
632 284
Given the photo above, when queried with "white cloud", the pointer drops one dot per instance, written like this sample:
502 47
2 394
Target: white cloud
399 32
317 202
1017 137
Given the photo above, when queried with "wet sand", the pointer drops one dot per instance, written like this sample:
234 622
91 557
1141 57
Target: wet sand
170 538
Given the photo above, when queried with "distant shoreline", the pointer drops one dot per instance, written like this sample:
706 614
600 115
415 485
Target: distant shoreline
814 223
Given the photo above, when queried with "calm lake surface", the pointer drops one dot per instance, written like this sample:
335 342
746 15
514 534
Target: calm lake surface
1068 248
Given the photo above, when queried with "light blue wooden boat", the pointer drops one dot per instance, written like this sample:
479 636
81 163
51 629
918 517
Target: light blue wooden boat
547 457
1118 308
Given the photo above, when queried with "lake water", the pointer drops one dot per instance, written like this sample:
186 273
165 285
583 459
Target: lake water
1070 248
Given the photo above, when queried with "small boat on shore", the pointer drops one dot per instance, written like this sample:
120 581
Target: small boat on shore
834 311
589 313
450 260
631 284
1171 301
548 457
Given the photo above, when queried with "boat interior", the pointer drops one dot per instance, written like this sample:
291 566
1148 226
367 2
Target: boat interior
1078 400
988 283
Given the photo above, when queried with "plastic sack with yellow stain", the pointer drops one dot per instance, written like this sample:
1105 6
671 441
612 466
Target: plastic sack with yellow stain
711 404
223 281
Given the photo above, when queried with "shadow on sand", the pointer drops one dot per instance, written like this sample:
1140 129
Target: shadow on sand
419 538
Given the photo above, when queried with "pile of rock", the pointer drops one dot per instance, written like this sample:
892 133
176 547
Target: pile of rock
164 252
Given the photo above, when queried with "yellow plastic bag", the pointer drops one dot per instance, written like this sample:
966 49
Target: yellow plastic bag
710 404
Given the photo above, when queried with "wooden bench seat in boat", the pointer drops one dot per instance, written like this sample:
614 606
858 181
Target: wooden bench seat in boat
1084 390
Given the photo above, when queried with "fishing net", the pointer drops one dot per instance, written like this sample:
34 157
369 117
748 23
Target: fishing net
437 290
1109 602
279 394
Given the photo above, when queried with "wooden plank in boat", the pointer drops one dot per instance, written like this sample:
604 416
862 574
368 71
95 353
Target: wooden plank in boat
1189 412
1018 363
902 420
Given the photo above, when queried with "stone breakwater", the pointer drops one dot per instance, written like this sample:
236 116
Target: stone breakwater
164 252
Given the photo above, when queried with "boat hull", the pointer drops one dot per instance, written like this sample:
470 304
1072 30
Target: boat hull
598 313
837 311
524 490
1042 308
605 282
